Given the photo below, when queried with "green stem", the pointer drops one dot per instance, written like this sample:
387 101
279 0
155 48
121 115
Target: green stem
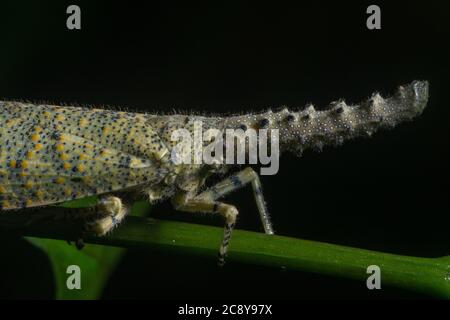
426 275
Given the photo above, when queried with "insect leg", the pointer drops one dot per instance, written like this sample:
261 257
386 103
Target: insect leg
100 218
229 212
112 211
236 181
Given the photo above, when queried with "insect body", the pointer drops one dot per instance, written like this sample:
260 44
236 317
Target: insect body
51 154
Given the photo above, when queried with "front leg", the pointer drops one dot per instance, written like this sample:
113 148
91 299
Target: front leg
237 181
206 202
184 202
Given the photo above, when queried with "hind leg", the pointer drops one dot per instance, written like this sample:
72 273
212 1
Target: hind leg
98 219
110 211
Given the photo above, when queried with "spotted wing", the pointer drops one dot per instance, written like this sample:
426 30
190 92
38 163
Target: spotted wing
53 167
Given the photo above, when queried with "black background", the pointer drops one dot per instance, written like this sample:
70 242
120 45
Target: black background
387 193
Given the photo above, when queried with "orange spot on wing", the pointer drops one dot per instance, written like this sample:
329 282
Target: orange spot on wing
12 163
22 174
35 137
28 185
83 122
5 204
39 194
67 191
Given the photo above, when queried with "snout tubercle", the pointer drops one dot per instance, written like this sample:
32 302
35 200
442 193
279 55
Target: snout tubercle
420 91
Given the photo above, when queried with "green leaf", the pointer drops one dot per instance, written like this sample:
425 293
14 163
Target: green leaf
426 275
96 262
